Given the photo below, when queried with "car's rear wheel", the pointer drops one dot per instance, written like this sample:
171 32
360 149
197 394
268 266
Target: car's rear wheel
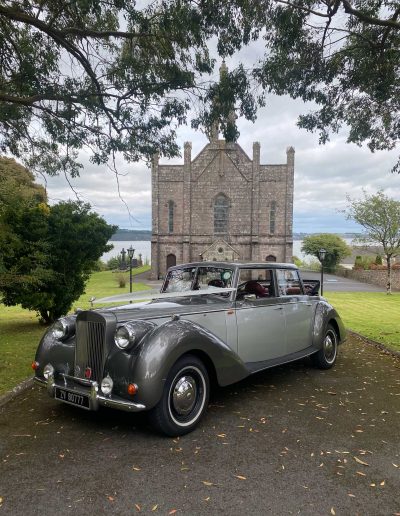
184 399
326 356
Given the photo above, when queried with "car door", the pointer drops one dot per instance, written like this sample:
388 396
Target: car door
260 319
298 308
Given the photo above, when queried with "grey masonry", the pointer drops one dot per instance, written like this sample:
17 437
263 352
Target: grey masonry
222 206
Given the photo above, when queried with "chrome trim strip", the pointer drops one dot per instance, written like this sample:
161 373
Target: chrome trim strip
95 398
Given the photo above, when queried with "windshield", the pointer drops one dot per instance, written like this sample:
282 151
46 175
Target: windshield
200 278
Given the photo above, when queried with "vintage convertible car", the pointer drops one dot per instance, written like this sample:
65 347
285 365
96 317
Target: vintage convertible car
211 322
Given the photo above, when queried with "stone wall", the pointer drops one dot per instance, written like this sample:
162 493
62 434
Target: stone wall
378 278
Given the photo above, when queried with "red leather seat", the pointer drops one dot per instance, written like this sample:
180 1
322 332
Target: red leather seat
253 287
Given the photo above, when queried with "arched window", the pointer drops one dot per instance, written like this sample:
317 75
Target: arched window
170 216
221 214
272 217
270 258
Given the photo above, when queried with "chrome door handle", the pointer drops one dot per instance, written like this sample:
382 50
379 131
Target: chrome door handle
278 308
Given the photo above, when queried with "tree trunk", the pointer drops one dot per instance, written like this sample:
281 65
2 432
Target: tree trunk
389 274
45 317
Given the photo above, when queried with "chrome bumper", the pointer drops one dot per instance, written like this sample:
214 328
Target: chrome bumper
92 390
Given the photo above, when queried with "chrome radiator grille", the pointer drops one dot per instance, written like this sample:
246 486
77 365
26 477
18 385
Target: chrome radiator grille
90 349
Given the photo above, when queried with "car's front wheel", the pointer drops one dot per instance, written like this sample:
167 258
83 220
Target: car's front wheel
326 356
184 399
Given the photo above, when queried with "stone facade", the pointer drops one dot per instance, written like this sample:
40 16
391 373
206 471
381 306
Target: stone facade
221 205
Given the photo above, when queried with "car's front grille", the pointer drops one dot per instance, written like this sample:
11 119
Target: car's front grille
90 349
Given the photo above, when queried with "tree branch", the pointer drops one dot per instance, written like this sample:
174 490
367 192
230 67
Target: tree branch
390 22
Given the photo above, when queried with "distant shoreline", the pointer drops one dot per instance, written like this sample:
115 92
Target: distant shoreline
127 235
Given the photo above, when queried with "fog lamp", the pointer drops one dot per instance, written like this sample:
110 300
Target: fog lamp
106 385
48 371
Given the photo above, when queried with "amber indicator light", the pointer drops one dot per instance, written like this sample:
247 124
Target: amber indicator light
132 389
35 365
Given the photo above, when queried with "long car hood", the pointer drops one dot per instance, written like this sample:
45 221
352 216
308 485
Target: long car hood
166 308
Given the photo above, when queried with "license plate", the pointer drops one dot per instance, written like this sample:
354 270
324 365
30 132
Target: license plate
74 398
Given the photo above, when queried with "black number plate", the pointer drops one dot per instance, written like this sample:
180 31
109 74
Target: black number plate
74 398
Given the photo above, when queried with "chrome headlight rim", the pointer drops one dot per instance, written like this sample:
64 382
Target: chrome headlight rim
60 329
125 336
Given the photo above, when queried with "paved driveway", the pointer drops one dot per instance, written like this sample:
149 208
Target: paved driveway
339 284
292 440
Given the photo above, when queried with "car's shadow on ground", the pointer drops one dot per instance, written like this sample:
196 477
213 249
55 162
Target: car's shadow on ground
225 399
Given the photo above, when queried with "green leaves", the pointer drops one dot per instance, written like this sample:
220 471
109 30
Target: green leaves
47 253
336 248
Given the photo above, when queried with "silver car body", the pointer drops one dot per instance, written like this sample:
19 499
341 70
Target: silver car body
232 331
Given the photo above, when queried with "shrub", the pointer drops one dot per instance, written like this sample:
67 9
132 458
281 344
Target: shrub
296 260
121 279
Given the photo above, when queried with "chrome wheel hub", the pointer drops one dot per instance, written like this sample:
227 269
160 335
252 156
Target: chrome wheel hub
329 347
184 395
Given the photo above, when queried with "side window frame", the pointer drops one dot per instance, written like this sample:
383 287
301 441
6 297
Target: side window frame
293 271
259 301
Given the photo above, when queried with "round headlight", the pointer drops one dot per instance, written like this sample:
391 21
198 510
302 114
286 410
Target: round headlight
106 385
48 371
125 336
60 329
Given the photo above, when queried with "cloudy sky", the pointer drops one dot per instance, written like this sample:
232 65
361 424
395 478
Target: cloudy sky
324 174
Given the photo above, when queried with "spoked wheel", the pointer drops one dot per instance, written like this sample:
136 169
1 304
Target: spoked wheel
184 399
326 356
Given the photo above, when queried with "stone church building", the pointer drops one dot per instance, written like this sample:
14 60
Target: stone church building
221 205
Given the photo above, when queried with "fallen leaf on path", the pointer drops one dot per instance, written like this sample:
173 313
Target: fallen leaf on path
154 508
351 495
361 473
173 511
360 461
240 477
333 511
135 468
206 483
137 507
382 483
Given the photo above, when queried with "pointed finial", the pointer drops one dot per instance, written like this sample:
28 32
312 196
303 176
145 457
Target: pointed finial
223 68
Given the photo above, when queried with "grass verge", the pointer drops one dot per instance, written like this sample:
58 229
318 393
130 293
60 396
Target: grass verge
20 331
373 314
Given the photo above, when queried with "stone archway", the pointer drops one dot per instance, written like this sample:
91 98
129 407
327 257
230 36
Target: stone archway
270 258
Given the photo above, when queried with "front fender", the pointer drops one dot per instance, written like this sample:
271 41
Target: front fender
162 348
325 314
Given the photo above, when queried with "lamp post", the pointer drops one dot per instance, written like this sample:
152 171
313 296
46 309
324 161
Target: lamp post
131 252
321 257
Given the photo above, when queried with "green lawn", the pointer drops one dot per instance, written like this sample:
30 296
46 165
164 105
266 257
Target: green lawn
20 331
373 314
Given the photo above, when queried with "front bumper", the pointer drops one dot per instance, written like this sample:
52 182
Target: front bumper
90 389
